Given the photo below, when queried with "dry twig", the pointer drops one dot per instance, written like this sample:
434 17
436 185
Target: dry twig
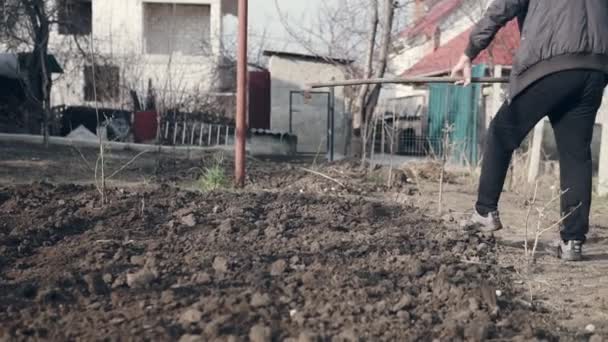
324 176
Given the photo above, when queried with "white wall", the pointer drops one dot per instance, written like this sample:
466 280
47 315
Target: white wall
119 39
310 123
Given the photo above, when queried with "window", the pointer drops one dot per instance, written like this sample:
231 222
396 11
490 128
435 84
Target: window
103 85
75 17
176 28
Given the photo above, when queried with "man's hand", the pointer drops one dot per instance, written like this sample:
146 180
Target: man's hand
462 70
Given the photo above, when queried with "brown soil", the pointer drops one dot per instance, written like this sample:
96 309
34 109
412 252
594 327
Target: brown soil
163 264
306 252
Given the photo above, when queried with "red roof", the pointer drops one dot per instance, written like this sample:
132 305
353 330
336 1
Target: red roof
500 52
429 22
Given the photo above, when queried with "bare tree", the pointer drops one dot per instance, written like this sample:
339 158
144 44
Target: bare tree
28 22
337 32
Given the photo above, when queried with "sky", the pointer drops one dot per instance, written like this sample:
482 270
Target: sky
263 16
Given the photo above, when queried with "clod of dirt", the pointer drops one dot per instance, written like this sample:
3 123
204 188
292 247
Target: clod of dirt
278 267
273 231
404 316
306 336
259 333
188 220
190 316
258 299
488 294
482 247
141 278
590 328
167 297
478 330
191 338
220 264
315 247
139 260
416 268
96 284
202 278
596 338
404 303
348 335
226 227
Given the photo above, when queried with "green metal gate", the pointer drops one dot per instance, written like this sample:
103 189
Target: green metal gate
458 107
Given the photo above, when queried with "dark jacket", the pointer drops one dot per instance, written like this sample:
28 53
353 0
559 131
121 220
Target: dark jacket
556 35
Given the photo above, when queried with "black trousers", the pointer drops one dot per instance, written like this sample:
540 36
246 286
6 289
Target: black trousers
571 99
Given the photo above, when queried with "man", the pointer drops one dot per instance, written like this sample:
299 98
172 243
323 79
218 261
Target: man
559 70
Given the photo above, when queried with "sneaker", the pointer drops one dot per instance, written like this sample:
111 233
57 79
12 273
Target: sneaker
487 224
570 250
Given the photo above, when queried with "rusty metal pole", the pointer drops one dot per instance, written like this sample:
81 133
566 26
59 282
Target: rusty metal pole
241 96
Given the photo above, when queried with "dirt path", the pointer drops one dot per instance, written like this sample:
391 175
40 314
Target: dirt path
577 293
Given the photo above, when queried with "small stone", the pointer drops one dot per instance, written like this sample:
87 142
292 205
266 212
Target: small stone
220 264
108 278
278 267
216 209
226 227
117 320
188 220
190 316
96 284
405 302
191 338
590 328
259 333
258 300
141 278
482 247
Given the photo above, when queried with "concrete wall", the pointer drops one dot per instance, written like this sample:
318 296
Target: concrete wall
119 38
310 120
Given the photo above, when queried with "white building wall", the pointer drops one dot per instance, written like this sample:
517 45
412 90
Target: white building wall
309 119
118 31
